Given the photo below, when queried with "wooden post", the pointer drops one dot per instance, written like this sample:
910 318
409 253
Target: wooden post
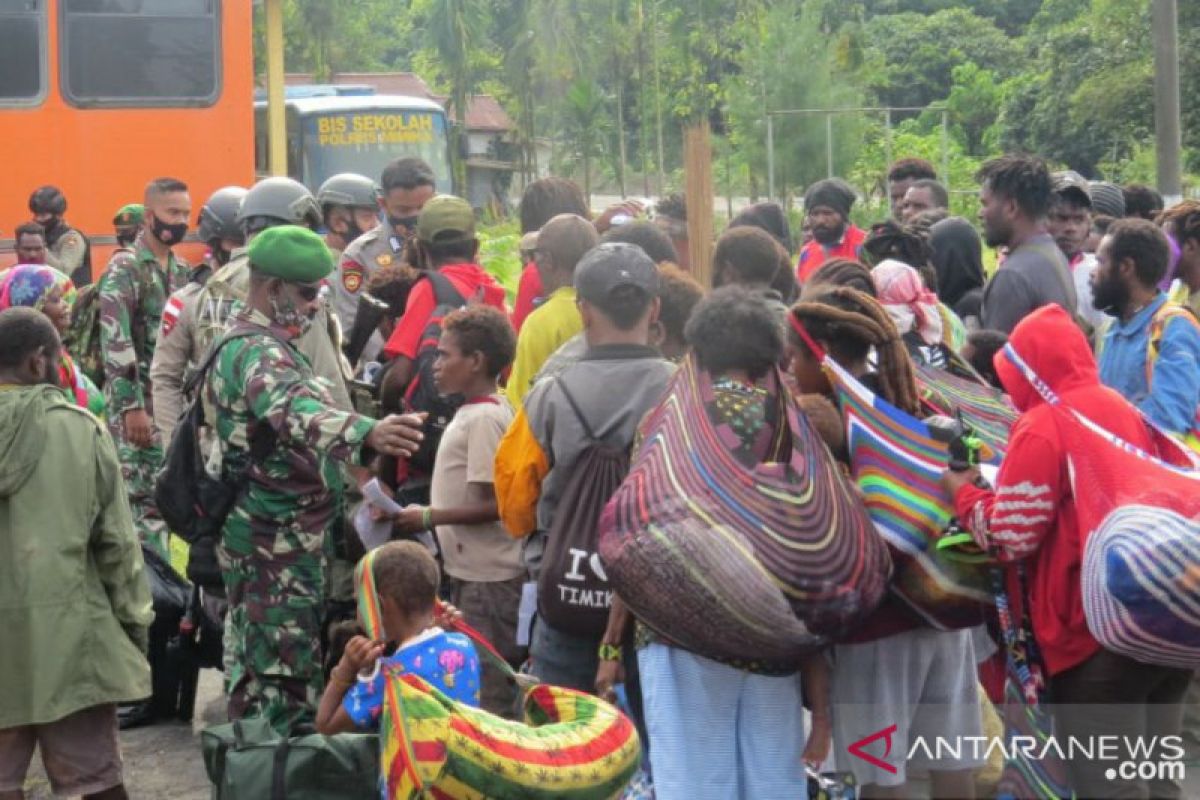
276 120
698 192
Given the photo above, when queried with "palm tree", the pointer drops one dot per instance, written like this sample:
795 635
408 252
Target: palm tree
586 119
457 28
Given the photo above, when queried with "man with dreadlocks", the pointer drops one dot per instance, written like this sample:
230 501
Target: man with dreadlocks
893 667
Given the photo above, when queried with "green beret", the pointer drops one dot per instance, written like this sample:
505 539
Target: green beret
131 214
291 252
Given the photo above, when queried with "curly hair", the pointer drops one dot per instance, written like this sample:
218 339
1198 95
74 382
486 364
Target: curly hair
1024 179
1144 243
850 323
646 235
1184 219
483 329
841 272
748 255
391 284
910 169
673 206
678 294
546 198
734 328
406 573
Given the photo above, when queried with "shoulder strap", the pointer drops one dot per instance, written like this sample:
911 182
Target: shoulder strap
1158 326
587 429
444 293
198 376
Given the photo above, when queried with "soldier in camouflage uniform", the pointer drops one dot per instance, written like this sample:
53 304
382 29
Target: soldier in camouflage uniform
69 250
132 294
265 397
127 222
175 356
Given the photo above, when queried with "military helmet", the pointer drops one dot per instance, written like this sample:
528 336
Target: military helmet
348 189
278 201
48 200
218 216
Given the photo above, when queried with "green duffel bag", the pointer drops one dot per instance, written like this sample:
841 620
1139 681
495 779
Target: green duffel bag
248 760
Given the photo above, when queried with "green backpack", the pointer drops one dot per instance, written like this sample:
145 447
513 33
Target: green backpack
83 334
248 760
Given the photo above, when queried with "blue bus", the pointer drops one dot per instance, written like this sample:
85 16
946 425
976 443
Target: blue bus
357 133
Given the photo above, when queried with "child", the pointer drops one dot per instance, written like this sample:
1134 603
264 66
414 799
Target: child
482 562
892 667
407 577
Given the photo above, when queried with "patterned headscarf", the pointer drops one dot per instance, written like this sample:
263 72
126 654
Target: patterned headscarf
30 285
907 300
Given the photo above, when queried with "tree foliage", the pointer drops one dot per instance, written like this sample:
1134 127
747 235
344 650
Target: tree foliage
605 81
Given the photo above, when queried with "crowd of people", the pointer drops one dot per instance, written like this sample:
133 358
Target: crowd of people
364 383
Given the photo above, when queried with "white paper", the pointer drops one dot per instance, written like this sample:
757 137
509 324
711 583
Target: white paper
373 532
525 613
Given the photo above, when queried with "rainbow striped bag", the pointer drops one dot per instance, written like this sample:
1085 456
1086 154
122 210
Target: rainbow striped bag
572 745
987 411
1140 518
731 562
898 466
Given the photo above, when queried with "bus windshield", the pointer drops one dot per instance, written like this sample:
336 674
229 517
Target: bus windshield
364 141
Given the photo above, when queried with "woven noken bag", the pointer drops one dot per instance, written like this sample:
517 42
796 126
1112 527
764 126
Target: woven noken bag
736 563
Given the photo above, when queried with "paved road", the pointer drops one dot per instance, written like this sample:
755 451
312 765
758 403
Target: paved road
162 761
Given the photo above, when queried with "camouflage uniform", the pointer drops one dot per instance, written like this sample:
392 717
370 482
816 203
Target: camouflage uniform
273 545
132 294
223 296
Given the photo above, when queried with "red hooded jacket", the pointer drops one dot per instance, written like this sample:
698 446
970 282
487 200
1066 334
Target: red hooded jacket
471 281
1030 515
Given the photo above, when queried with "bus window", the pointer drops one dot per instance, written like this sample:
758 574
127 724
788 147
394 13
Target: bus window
22 51
364 142
140 52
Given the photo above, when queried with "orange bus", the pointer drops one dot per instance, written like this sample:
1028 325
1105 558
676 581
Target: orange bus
100 96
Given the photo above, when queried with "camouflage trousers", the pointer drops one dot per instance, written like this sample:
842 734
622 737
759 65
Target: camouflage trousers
138 468
274 579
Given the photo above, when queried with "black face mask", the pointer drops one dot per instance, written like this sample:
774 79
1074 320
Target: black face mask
352 231
222 255
126 239
169 235
409 224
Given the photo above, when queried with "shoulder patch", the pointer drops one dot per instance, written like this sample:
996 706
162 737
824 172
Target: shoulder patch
352 275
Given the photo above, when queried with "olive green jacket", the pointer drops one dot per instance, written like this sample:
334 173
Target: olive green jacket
75 606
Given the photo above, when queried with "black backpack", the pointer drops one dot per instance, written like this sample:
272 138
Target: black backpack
192 502
421 394
573 592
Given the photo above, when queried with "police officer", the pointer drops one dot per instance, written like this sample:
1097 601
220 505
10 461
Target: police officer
127 222
176 352
70 252
263 390
406 185
132 294
349 208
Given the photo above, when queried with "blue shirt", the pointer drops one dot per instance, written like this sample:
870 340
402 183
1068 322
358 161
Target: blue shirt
1171 396
446 661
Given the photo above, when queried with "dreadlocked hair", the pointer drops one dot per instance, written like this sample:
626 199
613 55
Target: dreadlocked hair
1185 220
841 272
851 322
904 243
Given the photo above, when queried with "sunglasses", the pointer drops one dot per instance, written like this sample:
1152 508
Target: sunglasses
308 291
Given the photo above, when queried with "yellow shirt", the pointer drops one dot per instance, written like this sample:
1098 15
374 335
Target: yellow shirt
545 330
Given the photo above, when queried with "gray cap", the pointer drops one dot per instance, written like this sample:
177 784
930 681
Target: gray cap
1108 199
1071 181
611 266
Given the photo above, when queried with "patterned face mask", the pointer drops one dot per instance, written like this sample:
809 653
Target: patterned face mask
287 314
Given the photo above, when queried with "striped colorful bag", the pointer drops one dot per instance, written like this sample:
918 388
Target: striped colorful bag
1140 517
898 466
987 411
571 745
733 562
